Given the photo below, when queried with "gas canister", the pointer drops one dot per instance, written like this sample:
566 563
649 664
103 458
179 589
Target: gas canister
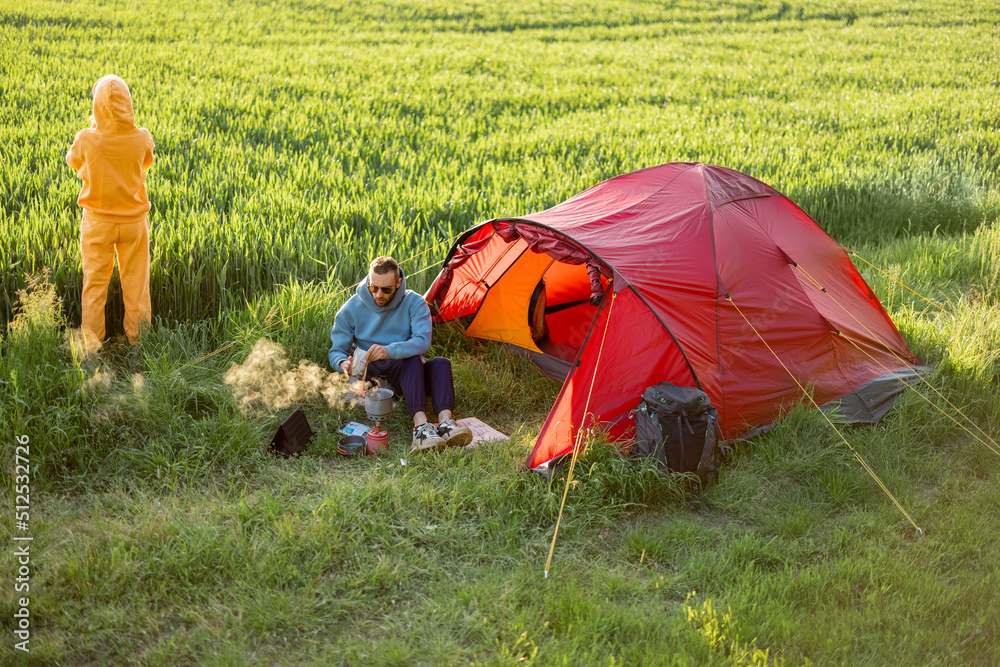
378 440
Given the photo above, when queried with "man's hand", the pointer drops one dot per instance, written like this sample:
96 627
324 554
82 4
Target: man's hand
376 353
345 365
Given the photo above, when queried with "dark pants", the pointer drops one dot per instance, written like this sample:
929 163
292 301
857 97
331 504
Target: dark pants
412 378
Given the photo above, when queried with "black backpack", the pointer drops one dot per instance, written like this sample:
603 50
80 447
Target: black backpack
679 428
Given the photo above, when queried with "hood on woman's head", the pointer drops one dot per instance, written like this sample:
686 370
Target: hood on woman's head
112 105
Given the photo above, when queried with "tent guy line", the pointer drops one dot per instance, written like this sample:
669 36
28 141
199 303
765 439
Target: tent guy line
858 456
946 312
992 447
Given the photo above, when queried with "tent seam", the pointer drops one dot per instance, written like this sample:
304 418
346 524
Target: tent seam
718 281
741 197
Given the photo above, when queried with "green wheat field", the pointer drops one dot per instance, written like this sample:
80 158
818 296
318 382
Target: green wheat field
295 140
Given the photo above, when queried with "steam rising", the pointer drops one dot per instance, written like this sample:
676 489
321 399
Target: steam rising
267 381
99 383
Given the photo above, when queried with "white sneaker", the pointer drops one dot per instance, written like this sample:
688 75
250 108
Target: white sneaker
453 434
426 437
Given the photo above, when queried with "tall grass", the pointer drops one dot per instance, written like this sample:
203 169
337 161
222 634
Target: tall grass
294 140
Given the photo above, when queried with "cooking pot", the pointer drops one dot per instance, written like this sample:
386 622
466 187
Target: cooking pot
378 403
352 445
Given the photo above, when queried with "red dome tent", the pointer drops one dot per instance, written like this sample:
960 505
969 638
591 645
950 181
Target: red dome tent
659 264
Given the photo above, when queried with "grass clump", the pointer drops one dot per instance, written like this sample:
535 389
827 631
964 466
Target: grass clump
130 417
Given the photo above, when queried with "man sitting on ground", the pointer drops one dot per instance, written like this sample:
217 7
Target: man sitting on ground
394 325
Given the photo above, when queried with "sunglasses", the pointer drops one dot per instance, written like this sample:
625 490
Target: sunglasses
374 289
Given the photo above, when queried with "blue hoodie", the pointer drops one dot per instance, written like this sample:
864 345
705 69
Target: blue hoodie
402 326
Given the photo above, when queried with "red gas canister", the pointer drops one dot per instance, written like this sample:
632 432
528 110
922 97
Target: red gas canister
378 440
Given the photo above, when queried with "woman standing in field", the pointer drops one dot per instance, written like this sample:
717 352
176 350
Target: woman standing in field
112 156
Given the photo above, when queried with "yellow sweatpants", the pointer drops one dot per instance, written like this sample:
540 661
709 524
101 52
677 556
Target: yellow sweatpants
99 242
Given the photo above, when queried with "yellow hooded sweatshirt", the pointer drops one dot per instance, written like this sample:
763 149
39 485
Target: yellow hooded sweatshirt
111 156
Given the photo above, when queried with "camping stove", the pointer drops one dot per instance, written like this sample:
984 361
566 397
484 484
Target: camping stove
378 407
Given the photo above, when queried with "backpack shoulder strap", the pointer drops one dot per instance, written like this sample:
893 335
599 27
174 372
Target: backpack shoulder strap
706 464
